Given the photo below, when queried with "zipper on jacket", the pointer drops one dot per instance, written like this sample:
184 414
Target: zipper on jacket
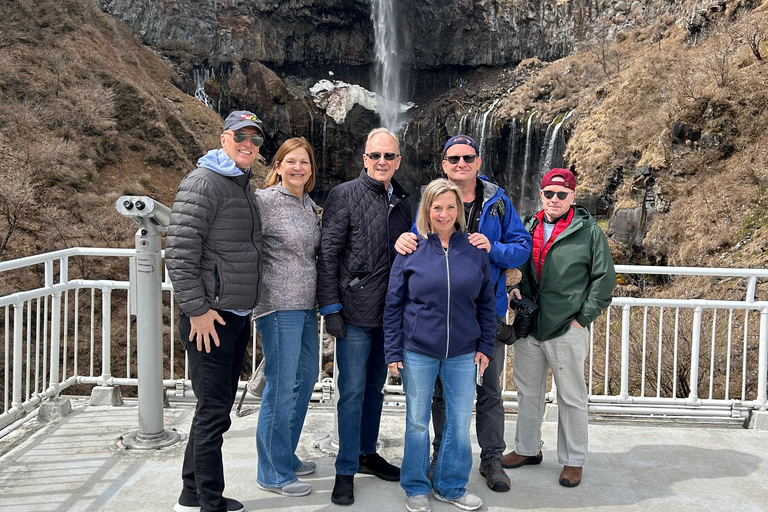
390 207
448 313
217 287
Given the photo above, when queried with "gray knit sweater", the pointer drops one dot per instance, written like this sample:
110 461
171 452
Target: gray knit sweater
291 228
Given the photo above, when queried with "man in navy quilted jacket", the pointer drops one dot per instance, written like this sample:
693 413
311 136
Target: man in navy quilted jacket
361 221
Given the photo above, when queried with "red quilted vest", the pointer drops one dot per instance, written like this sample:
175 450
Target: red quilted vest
540 249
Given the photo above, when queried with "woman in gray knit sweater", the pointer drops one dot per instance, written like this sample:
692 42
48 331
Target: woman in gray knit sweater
286 316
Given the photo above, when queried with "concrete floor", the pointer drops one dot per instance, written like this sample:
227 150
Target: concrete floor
78 464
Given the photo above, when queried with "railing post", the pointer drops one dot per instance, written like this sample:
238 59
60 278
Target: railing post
106 335
693 397
18 333
625 316
762 372
55 340
146 287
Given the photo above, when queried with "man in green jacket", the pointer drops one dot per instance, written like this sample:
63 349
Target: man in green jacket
570 275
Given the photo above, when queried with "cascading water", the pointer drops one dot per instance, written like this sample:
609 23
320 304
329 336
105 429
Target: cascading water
525 186
484 125
387 61
200 77
549 161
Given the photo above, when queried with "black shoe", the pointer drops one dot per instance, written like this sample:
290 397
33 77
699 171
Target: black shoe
432 463
343 490
495 476
374 464
187 504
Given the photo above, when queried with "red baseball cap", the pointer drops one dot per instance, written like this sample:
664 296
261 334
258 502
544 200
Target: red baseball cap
562 177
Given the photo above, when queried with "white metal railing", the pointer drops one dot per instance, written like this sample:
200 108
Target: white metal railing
674 357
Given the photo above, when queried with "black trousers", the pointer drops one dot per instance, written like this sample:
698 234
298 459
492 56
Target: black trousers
489 417
214 380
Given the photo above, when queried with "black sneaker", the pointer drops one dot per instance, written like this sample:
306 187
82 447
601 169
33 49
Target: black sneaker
432 463
374 464
494 474
343 490
187 504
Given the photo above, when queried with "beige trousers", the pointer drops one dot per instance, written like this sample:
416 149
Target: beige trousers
565 355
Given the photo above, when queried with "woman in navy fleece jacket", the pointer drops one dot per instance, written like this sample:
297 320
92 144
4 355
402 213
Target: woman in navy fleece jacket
439 319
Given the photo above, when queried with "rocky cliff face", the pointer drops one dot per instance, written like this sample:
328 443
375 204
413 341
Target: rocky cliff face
433 33
306 32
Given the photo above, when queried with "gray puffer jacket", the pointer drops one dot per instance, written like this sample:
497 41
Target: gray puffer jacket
213 247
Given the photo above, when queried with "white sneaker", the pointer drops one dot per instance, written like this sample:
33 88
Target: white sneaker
467 502
306 468
294 489
418 504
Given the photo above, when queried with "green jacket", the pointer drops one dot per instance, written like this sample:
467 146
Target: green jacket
577 276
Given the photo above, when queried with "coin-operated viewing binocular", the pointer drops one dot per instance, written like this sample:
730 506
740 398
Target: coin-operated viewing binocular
143 207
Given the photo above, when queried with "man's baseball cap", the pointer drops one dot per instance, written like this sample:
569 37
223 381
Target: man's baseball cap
242 118
562 177
461 139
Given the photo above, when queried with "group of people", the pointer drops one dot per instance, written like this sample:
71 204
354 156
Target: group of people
424 299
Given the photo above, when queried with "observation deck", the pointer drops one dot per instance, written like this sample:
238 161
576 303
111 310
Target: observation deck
672 382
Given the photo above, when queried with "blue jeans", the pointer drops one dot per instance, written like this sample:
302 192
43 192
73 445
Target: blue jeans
362 371
290 345
215 376
454 461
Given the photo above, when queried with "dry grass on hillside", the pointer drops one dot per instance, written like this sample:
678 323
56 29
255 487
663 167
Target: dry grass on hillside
709 204
86 114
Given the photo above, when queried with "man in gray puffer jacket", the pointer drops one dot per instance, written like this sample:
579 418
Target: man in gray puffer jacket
212 255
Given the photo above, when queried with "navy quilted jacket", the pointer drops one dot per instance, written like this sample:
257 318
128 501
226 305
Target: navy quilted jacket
360 227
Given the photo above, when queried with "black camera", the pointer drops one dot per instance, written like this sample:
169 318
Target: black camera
505 333
525 311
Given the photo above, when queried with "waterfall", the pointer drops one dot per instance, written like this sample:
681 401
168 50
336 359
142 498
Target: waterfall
387 62
549 160
311 128
463 124
325 145
200 77
525 188
484 124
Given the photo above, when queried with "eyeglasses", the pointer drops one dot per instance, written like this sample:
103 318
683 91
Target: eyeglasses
239 137
549 194
375 156
453 160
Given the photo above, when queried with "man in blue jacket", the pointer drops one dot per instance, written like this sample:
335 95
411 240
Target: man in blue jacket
496 227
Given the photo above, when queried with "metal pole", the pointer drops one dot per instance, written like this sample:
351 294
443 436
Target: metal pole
762 372
693 397
106 336
55 341
18 336
149 342
625 318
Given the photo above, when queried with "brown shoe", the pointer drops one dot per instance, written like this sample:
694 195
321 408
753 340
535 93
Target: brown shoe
513 460
570 476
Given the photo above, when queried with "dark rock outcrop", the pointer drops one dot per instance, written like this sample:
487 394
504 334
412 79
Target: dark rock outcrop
316 33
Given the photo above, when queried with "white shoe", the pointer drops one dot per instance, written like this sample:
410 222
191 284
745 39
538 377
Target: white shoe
294 489
418 504
467 502
306 468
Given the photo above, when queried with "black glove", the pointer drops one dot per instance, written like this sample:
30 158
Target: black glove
334 325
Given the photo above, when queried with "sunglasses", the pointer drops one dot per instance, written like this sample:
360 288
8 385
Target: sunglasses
375 156
239 137
549 194
453 160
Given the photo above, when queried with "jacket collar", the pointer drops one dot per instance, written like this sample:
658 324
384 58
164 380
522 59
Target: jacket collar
377 186
435 239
